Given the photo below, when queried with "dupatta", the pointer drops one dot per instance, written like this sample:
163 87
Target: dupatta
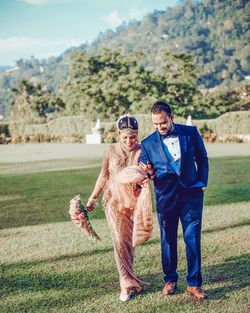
131 189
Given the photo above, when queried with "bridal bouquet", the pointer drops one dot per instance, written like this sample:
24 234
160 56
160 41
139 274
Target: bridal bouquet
79 216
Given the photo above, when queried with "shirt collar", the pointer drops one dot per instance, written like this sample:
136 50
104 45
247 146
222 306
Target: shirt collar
172 133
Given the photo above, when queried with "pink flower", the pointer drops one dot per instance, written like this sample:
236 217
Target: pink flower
79 216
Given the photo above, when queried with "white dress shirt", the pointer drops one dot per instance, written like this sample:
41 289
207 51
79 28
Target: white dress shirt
173 152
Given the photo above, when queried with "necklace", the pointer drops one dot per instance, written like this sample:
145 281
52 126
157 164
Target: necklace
128 156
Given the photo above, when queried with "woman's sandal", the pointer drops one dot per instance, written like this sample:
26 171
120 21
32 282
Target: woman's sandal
126 296
133 291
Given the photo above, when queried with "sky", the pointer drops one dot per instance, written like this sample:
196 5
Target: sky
45 28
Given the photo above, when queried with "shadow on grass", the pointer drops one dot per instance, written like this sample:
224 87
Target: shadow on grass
67 287
51 284
232 274
78 282
27 265
241 223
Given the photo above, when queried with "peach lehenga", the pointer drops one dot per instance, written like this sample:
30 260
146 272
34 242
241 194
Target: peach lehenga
127 207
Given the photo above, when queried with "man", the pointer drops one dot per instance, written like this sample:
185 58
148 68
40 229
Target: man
179 159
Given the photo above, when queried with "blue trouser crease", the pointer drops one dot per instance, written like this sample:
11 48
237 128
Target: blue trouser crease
188 209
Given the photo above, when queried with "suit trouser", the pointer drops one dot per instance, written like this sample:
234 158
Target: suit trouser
188 209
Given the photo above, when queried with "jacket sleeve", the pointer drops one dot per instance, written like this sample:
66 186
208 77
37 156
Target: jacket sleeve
201 158
144 158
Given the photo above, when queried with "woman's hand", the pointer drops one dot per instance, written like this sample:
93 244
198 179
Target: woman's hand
91 204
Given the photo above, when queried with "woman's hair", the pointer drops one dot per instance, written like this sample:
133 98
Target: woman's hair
161 106
127 122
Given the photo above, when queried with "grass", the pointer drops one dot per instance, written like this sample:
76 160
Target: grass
37 198
53 268
47 265
229 180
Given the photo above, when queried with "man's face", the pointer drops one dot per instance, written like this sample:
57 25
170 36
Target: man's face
162 122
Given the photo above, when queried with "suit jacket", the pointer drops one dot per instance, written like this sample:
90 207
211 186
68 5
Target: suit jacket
194 165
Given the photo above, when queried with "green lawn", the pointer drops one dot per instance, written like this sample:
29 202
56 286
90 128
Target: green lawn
47 265
229 180
54 268
43 197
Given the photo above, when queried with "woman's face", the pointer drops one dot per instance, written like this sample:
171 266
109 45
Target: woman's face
128 139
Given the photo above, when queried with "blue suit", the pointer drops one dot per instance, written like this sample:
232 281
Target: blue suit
179 196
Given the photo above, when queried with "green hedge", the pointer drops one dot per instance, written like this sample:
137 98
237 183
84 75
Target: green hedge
4 129
229 123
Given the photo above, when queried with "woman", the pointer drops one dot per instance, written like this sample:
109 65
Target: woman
126 201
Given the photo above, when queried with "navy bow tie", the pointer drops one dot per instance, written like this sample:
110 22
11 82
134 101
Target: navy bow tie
172 133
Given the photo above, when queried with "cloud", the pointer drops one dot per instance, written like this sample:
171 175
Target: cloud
113 19
13 48
137 13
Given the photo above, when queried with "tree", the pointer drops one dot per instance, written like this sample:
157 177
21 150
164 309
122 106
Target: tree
181 76
109 84
31 101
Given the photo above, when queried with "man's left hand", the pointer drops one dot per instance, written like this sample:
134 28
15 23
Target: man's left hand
148 168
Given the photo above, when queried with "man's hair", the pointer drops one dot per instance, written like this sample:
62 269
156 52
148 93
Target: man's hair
161 106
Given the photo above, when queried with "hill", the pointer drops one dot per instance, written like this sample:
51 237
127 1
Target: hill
215 32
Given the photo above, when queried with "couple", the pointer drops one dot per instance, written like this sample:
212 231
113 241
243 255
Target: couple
173 156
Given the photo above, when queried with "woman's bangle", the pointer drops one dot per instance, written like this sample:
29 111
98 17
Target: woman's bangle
92 200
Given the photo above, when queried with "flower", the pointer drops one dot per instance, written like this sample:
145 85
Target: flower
79 216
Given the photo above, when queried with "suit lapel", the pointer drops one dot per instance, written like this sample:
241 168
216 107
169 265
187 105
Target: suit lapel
159 147
183 145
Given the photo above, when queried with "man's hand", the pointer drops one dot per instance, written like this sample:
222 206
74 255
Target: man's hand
148 168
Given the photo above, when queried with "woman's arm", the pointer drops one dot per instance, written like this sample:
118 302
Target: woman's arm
100 183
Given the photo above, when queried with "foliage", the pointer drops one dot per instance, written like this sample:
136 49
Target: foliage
51 72
204 129
234 123
214 104
229 123
110 84
215 33
34 100
4 128
192 45
181 76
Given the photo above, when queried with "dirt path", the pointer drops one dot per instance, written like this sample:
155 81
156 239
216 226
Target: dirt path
28 158
16 153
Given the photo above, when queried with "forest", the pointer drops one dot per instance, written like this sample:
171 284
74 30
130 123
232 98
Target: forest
195 56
